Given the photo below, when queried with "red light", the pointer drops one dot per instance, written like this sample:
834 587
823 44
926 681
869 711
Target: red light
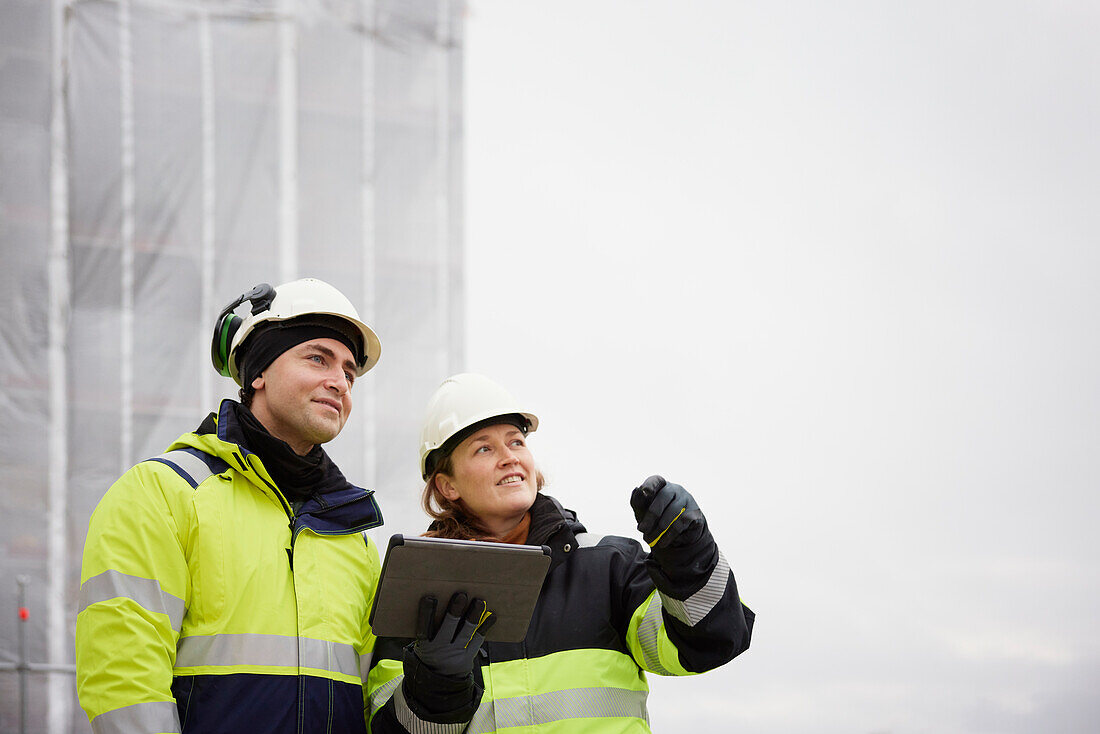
24 613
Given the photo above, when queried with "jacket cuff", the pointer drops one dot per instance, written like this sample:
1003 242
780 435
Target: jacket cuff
432 697
406 712
680 571
694 608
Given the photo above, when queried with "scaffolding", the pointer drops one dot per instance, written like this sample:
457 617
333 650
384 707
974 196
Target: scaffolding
157 157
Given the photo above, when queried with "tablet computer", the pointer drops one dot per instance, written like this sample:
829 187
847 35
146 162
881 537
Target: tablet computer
508 577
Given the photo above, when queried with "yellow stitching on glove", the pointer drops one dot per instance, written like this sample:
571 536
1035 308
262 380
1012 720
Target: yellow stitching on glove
681 512
485 614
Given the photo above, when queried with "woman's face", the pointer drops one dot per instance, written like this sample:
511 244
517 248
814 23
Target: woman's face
494 476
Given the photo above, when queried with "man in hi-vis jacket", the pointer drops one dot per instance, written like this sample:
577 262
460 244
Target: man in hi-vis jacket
226 583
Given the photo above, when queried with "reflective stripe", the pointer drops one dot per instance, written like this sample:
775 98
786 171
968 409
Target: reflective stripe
331 656
267 650
587 540
414 724
380 695
692 610
193 469
484 719
649 630
545 708
146 593
159 717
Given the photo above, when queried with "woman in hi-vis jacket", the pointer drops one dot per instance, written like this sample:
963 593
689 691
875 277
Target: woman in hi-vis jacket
608 612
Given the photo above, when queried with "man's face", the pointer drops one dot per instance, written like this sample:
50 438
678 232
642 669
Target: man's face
303 397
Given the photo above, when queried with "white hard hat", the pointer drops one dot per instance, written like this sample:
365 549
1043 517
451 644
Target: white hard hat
462 401
292 300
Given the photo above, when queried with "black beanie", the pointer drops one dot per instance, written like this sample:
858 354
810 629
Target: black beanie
264 346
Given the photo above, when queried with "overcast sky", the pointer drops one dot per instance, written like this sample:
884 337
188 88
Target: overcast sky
833 267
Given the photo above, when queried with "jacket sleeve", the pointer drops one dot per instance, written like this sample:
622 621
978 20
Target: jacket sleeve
390 711
384 678
134 590
685 615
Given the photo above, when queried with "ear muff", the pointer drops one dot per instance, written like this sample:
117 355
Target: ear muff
227 326
229 323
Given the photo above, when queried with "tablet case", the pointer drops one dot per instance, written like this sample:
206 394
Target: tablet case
508 577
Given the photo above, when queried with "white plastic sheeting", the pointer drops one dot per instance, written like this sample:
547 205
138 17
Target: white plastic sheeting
157 158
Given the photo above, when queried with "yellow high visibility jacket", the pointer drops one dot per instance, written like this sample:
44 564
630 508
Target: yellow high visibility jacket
599 625
208 605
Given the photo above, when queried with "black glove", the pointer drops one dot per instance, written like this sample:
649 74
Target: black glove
439 682
453 647
683 551
667 515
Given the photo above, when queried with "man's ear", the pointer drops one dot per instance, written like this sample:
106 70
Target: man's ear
445 486
258 383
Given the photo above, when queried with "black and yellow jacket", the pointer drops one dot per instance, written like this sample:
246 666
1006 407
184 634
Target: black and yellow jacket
600 624
207 604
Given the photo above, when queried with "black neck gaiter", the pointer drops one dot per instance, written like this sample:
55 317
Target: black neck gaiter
297 477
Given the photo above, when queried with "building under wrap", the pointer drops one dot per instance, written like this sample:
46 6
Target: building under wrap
157 158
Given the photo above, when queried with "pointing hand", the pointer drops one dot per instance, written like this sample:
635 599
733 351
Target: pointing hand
667 514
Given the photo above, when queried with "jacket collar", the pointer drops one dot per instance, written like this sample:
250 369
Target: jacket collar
341 508
554 526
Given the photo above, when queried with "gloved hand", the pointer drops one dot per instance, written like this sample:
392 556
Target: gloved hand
667 515
453 647
684 553
439 683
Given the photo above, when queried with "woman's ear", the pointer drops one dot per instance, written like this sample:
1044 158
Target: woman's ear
445 486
